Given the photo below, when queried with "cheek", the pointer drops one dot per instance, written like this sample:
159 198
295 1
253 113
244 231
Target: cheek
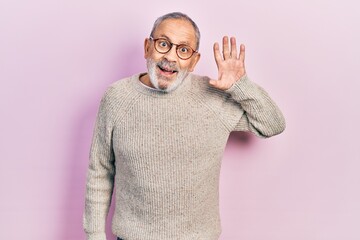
155 54
185 65
152 54
157 57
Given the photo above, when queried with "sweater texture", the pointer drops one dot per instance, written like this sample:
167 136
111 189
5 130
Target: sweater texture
161 155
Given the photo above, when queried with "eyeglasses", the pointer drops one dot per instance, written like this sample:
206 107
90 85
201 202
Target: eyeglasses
162 45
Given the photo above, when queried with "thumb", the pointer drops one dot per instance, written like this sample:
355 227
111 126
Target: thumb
213 83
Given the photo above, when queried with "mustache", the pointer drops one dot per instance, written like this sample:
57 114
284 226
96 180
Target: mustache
165 64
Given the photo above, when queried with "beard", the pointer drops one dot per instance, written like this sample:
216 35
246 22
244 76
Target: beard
161 82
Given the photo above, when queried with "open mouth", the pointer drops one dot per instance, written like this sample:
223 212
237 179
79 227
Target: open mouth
167 70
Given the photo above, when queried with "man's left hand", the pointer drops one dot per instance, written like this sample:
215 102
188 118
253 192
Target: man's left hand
231 66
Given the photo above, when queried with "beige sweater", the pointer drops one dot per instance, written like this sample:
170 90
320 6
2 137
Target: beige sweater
161 153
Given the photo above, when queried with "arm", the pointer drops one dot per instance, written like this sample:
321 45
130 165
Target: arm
260 114
100 175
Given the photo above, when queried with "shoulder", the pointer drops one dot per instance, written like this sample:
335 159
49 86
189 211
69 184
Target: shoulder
120 90
215 100
118 96
200 86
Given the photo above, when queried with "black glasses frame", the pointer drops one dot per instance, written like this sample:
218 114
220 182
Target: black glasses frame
171 45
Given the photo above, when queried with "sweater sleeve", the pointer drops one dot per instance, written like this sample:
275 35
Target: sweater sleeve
100 175
260 113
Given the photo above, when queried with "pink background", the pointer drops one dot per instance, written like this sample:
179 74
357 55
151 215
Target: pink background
58 57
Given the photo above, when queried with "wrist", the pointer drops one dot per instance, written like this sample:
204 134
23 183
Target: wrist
242 78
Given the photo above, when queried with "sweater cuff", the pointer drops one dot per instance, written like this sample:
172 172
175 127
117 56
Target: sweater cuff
96 236
242 88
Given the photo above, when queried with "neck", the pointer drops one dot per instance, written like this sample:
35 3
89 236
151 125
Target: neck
146 80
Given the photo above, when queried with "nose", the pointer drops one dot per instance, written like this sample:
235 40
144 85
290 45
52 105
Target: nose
171 55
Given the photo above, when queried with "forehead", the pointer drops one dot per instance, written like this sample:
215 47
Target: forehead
177 30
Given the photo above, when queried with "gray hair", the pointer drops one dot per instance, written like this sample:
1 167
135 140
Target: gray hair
178 15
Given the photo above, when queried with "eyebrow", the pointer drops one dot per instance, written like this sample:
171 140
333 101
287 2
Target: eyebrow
182 42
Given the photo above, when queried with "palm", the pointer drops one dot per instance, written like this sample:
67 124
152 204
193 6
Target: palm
230 65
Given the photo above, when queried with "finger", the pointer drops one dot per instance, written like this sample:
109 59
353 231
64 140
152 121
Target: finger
226 51
233 47
242 53
217 54
214 83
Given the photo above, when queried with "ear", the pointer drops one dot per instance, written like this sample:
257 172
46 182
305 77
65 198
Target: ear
194 61
146 48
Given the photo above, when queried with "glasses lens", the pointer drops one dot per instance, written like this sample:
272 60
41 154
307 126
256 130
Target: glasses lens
162 45
184 51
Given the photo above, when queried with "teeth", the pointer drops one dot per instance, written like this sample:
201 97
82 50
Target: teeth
167 70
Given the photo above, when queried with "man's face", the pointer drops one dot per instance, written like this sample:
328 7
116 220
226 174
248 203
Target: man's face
166 70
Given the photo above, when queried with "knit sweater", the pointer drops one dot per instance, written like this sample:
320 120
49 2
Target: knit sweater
161 153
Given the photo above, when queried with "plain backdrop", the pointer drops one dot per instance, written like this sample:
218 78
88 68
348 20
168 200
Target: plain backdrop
58 57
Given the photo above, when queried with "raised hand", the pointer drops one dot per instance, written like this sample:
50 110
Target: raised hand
231 66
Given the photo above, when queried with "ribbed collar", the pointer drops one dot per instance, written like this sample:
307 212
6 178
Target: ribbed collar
140 87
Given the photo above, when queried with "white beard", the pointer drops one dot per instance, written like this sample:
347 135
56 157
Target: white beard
154 78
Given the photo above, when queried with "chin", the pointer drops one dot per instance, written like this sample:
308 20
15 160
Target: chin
167 86
162 82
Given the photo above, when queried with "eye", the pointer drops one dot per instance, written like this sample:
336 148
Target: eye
184 49
163 44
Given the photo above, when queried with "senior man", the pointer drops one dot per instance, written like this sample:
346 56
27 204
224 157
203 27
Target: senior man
159 138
